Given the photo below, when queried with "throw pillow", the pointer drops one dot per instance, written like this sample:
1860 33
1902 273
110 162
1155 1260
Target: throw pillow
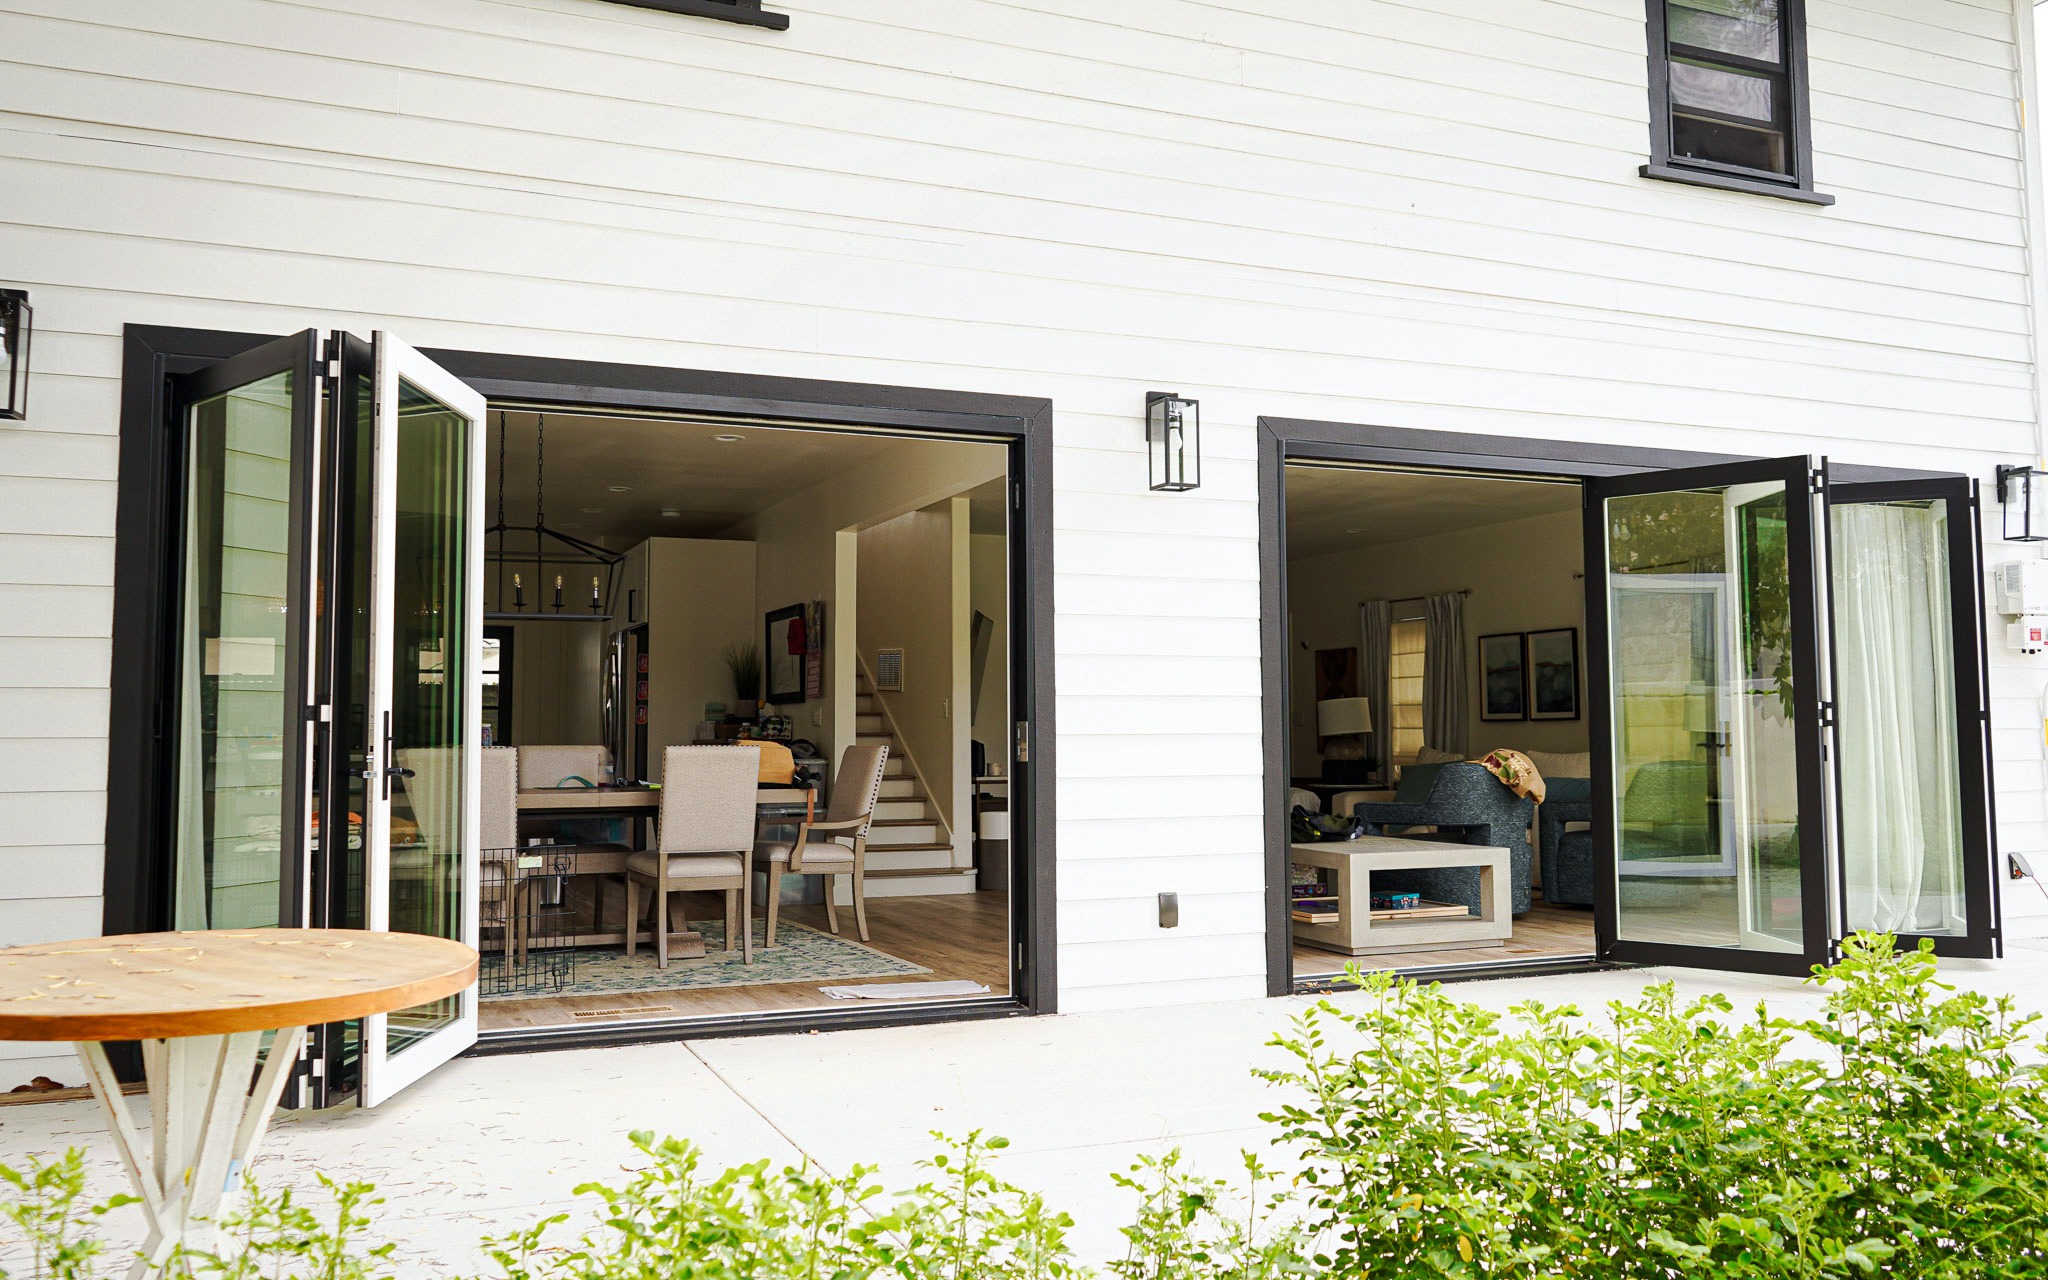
1417 781
1562 764
1569 790
1430 755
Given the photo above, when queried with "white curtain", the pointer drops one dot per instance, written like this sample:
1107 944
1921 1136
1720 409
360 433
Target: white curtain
1375 661
1443 673
1901 803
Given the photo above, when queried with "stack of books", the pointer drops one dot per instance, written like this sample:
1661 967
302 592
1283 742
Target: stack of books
1314 901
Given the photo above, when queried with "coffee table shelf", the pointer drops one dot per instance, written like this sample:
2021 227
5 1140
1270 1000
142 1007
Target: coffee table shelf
1360 930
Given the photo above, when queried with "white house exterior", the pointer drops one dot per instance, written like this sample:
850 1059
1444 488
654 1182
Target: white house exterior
1409 215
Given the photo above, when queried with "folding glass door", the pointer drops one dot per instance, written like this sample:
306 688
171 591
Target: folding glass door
1789 714
1706 625
1912 730
322 737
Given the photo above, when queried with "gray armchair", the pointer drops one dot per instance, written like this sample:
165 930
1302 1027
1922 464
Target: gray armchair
1468 805
1567 866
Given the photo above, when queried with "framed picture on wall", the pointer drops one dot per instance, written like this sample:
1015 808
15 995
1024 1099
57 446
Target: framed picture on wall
1503 677
1554 674
787 641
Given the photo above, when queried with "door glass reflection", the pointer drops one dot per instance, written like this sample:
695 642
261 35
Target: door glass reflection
1705 740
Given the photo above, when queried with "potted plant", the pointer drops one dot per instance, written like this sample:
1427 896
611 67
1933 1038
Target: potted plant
744 662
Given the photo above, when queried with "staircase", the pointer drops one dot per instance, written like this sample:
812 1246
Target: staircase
910 847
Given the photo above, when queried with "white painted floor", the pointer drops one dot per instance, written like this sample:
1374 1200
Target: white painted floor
493 1143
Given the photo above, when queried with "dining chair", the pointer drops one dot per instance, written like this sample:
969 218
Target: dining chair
835 845
498 892
705 833
554 766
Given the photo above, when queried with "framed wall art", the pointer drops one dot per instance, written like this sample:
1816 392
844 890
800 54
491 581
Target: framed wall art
1554 674
1503 677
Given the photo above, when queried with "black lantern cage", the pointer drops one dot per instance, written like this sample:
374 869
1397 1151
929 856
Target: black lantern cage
1173 442
17 326
2021 494
540 573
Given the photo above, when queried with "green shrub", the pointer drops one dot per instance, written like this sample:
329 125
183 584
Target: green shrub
1896 1134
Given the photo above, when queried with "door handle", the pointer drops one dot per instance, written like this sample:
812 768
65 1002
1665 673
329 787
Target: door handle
390 769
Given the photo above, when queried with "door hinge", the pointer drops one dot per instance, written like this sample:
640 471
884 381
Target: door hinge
320 712
1020 957
1827 715
1017 496
1817 480
1023 742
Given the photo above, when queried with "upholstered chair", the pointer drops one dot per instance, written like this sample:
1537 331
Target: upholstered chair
1468 805
837 844
555 766
708 810
429 782
1567 864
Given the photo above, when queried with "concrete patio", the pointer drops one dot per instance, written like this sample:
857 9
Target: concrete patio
493 1143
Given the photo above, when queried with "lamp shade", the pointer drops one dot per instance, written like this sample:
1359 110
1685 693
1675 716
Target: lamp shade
1343 715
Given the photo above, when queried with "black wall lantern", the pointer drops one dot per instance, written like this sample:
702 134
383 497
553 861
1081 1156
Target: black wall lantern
16 321
1173 442
2022 492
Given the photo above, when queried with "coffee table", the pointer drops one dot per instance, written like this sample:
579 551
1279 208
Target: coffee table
1356 932
201 1003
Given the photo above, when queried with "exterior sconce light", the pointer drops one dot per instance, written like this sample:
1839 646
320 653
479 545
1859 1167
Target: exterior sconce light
17 319
1173 442
2023 492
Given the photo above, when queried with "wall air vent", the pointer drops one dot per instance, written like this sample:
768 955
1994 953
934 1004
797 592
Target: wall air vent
889 670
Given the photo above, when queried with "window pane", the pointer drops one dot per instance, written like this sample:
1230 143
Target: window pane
429 655
1707 814
1747 95
1902 817
1748 28
233 701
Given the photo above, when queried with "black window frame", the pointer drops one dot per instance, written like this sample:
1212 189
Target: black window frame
745 12
1664 166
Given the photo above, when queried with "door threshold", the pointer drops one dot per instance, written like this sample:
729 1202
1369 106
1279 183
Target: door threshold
1531 967
728 1025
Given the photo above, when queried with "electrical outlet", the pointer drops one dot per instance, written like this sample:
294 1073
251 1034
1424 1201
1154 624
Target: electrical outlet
945 708
817 718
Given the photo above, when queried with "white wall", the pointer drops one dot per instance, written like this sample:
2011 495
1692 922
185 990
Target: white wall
700 598
1523 576
1422 215
989 565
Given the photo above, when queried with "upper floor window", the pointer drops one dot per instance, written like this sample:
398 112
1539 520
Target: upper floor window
1728 96
746 11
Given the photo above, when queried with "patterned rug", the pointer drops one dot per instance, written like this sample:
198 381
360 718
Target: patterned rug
800 954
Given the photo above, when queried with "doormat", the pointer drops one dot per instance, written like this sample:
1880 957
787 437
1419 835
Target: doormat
800 954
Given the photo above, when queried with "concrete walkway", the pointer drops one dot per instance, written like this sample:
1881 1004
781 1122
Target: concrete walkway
490 1144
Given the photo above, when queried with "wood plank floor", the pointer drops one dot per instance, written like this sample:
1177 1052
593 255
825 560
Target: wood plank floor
964 935
1545 932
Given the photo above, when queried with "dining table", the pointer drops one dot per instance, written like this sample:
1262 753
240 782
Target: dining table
201 1004
638 802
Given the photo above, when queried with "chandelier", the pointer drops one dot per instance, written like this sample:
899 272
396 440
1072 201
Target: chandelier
543 574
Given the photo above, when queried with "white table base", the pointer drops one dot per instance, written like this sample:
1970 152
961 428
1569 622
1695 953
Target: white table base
208 1110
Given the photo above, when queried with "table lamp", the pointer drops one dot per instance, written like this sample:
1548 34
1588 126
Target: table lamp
1344 722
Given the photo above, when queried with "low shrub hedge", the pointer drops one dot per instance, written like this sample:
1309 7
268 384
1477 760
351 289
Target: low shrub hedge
1903 1131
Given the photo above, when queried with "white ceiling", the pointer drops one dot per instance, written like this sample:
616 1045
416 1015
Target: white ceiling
712 484
1331 509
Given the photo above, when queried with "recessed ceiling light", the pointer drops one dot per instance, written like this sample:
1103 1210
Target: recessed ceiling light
619 488
728 438
593 511
1354 531
672 512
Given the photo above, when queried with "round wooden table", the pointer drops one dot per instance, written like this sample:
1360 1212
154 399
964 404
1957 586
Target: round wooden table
200 1003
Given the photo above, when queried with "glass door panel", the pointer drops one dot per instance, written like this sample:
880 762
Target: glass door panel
1708 687
425 707
239 816
1913 760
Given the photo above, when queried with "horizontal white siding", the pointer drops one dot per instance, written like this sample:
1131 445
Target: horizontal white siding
1417 214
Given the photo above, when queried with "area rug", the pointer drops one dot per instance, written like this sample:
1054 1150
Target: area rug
800 954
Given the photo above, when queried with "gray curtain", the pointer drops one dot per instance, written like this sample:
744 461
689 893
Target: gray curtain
1375 649
1443 673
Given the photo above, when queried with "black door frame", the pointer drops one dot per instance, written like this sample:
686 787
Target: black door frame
1282 440
155 357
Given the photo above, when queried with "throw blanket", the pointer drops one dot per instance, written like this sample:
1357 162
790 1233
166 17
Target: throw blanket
1515 771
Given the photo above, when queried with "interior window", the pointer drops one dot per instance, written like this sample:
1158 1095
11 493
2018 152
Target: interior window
1407 647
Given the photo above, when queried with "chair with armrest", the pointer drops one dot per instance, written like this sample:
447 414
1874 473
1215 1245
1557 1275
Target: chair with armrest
1467 804
837 844
1567 863
707 831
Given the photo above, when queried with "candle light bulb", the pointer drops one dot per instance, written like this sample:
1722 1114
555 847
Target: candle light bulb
595 603
518 593
558 593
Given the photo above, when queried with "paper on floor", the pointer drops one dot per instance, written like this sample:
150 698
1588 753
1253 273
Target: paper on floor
906 990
